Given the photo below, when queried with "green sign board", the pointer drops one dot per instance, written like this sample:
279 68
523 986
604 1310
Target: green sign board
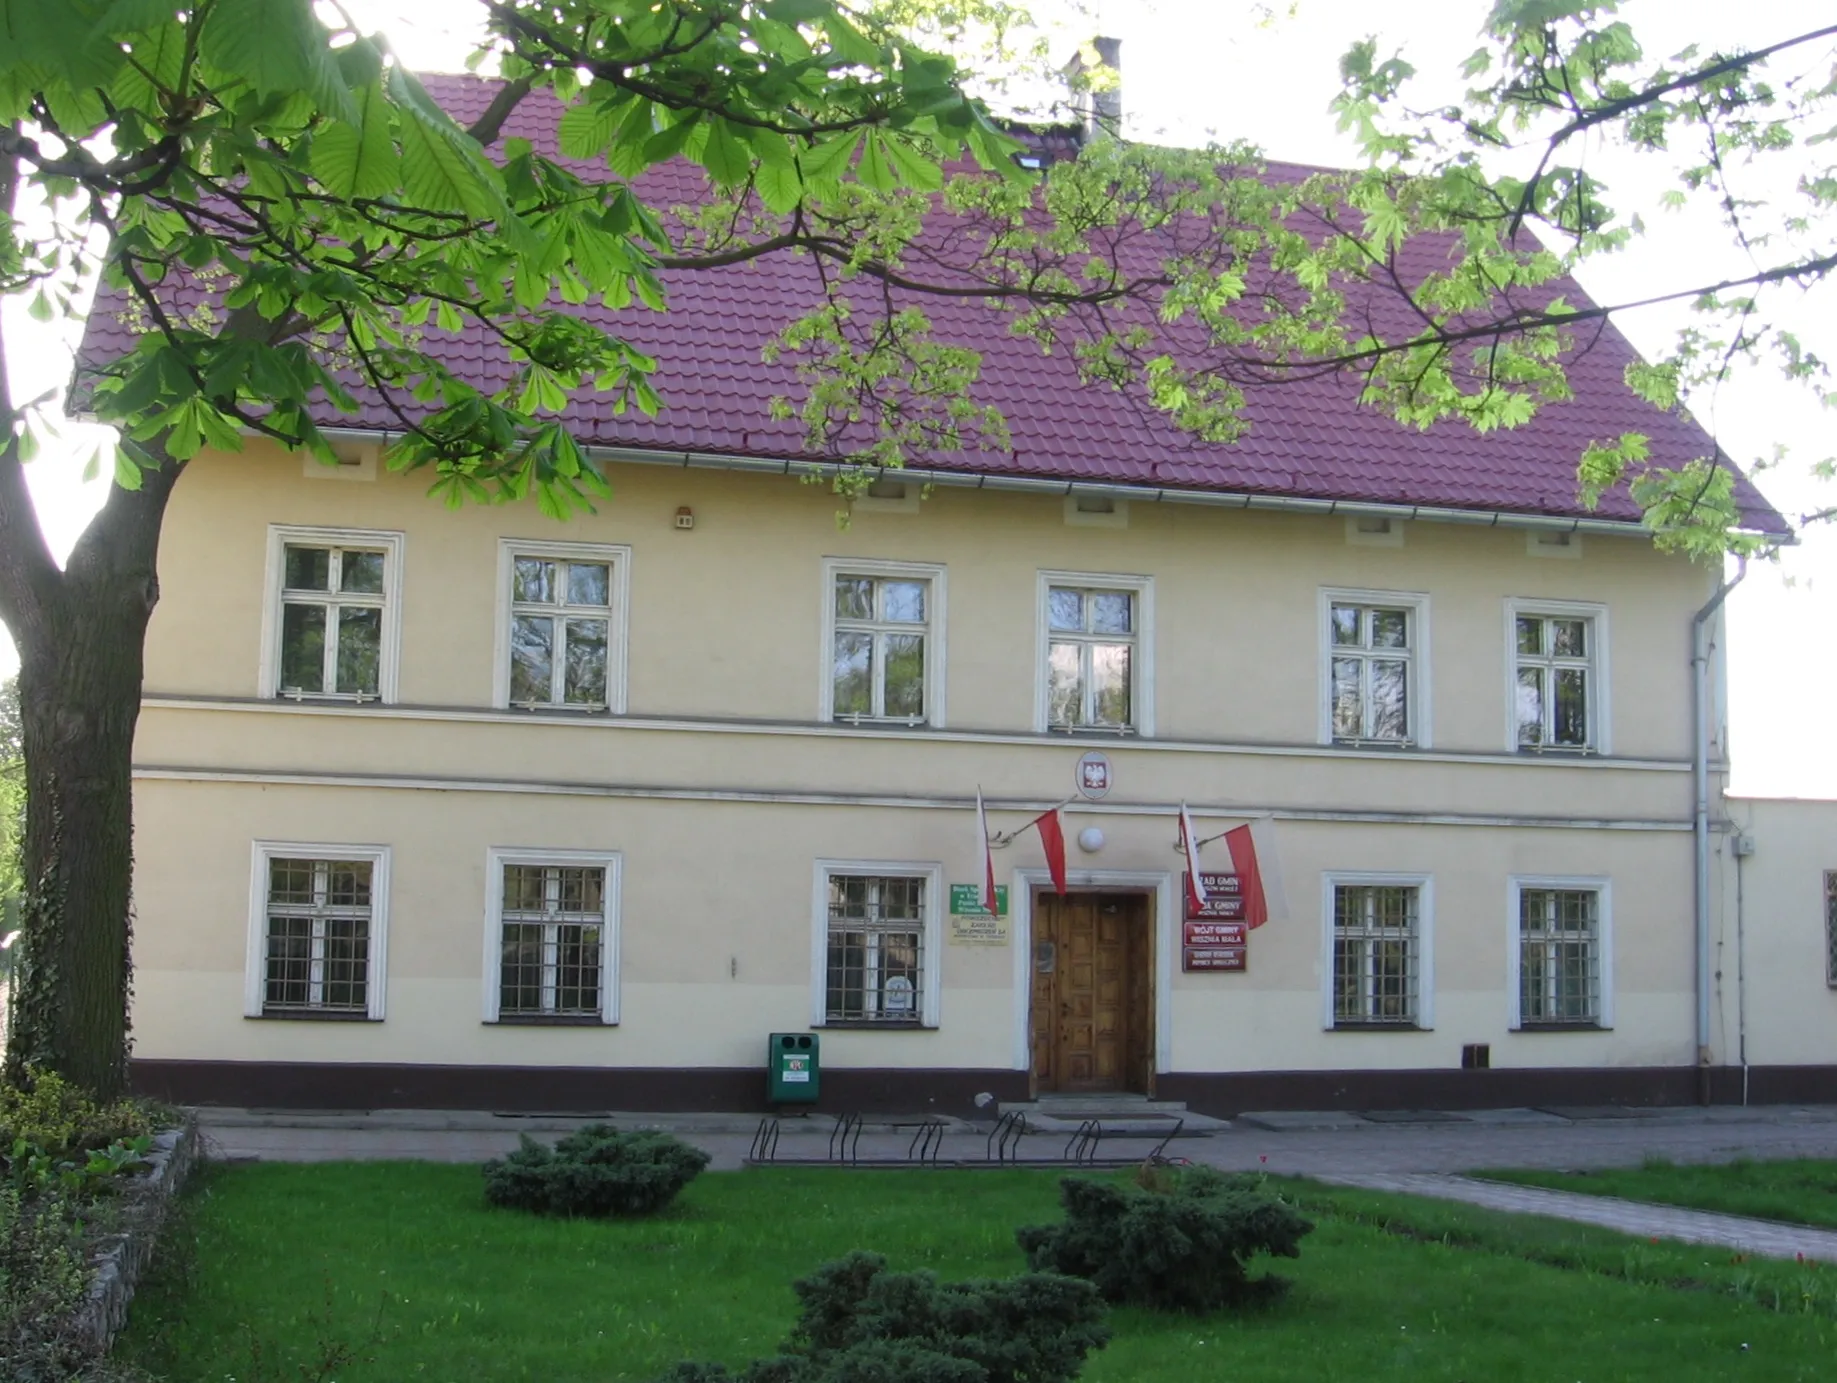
966 900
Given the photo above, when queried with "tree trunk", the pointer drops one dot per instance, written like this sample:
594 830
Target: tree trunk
80 657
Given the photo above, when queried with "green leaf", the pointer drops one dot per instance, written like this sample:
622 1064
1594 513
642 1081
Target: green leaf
359 161
41 310
129 459
779 186
724 156
914 169
588 126
442 169
873 169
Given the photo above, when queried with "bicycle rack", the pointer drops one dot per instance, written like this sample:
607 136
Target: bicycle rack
1091 1146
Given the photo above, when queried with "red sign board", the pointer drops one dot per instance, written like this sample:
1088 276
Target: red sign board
1224 898
1217 958
1216 945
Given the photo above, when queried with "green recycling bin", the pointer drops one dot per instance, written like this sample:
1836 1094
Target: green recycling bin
792 1067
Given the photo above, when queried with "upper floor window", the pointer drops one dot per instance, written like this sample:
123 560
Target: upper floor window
1095 642
1378 930
552 937
316 942
562 626
883 621
1558 685
1375 684
333 614
1560 953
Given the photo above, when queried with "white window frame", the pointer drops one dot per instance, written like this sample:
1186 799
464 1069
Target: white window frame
390 651
496 857
617 557
931 963
934 627
1424 884
1602 888
1141 667
1421 703
1600 715
255 978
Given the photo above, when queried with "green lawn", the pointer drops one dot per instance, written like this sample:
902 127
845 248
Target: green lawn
404 1262
1799 1192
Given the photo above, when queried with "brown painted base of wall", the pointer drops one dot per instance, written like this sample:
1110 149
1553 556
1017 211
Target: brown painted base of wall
546 1089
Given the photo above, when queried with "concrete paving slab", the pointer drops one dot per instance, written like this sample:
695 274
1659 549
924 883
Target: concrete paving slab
1765 1238
1414 1116
1584 1113
1515 1118
1301 1120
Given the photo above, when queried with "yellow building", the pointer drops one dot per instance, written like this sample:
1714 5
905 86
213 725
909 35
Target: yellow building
477 809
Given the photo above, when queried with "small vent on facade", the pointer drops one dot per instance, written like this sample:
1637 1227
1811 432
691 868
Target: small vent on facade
1096 504
1476 1056
1373 525
887 489
1553 542
1374 530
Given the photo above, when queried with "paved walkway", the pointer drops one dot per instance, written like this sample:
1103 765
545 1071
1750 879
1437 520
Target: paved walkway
1763 1238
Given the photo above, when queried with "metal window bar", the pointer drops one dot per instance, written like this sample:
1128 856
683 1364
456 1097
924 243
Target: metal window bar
1553 689
560 634
553 920
1559 967
1375 955
1830 928
318 952
876 949
349 666
1083 657
879 662
1373 675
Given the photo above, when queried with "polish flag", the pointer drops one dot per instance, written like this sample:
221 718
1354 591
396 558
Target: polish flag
1195 890
1052 838
1259 872
989 898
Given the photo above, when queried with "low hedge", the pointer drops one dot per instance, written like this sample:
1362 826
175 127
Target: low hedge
598 1173
1182 1242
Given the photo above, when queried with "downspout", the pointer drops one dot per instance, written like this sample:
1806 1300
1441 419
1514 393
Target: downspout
1699 663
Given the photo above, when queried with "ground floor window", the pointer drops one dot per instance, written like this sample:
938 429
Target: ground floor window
1378 951
317 932
877 962
1559 956
552 954
1830 928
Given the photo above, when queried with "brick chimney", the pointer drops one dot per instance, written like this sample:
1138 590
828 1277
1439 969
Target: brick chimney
1095 75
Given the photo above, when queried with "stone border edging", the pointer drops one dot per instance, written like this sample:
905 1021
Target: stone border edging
125 1256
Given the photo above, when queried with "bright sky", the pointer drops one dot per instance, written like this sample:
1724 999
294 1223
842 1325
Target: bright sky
1265 72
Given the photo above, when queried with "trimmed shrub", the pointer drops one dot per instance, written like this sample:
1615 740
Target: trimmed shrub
863 1324
596 1173
1185 1247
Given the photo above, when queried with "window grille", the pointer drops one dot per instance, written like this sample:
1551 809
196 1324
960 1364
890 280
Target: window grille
1091 658
560 626
1830 928
876 950
1554 691
1371 655
318 936
878 664
1376 954
1559 956
553 921
333 601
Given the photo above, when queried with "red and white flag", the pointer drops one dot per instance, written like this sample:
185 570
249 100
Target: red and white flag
1052 839
988 858
1259 871
1189 846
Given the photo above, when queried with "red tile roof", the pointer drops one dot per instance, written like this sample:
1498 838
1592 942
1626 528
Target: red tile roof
1309 439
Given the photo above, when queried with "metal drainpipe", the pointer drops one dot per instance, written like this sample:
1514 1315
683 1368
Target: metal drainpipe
1699 661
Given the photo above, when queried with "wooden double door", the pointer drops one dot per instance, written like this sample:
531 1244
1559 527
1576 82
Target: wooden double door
1093 992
